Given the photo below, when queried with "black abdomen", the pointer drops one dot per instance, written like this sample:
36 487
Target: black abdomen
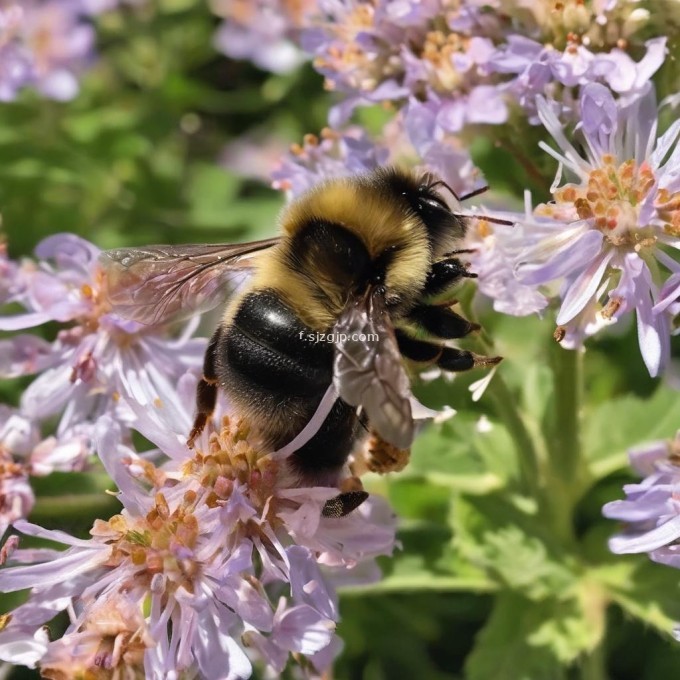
270 361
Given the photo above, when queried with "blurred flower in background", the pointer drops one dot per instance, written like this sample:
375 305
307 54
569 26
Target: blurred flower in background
44 45
264 31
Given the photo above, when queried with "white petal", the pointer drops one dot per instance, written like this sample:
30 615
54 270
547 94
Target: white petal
22 648
560 255
302 629
583 289
217 654
651 540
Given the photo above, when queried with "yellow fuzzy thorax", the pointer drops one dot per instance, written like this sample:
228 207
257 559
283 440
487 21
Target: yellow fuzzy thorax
375 218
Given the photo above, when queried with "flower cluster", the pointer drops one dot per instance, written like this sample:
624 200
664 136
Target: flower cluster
211 550
374 52
209 562
464 61
96 358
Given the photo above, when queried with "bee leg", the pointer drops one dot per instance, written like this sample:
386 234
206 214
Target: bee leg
351 496
447 358
445 273
453 359
343 503
417 350
206 391
442 322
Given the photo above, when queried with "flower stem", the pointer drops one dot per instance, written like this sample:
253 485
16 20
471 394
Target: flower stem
506 405
564 474
565 445
593 665
527 457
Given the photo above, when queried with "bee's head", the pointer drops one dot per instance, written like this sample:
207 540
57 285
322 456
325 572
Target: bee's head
422 196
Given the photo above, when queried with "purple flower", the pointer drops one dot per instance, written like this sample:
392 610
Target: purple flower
96 357
494 250
651 509
542 69
608 232
336 154
43 45
18 436
405 53
208 553
24 454
263 31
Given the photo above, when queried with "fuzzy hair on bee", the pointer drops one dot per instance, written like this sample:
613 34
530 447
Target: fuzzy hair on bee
359 260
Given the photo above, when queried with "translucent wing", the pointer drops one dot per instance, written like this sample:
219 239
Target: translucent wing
156 284
368 368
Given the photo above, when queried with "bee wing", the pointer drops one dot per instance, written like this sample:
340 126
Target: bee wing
369 372
156 284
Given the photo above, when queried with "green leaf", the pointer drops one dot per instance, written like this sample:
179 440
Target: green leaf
526 640
511 546
648 591
615 426
503 650
461 456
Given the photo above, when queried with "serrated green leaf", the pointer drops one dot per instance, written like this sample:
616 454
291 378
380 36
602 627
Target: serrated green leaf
497 536
645 590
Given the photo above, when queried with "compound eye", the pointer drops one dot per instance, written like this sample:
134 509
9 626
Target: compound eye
431 200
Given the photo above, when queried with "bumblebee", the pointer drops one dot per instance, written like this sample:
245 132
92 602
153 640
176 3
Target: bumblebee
331 307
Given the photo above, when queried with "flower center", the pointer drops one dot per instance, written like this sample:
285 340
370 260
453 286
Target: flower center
439 50
610 199
231 458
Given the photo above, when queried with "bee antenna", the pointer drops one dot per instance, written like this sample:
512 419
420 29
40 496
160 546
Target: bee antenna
475 192
487 218
464 197
441 182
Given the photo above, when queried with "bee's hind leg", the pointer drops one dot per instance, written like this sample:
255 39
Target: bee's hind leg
447 358
441 322
206 391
